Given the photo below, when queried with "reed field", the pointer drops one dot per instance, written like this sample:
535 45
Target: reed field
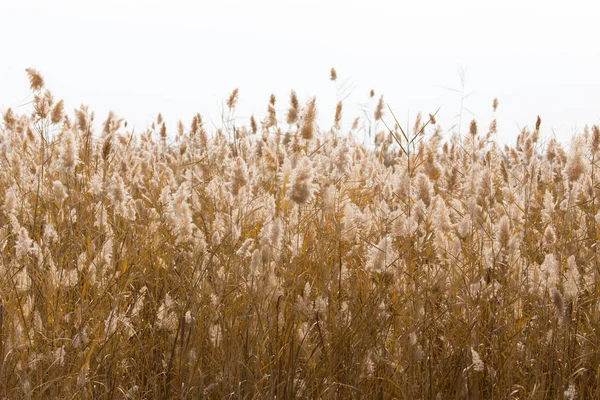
286 260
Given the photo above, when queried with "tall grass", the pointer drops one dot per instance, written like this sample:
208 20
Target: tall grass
279 260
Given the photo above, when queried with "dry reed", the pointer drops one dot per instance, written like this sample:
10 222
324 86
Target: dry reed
298 264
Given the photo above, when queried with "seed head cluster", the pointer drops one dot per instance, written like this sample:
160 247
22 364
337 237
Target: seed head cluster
283 260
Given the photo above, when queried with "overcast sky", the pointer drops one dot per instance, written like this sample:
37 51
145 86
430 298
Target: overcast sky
139 58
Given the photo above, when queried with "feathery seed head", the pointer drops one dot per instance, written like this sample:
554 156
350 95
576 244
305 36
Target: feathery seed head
309 118
595 145
68 151
338 114
477 361
57 112
379 109
233 98
36 80
301 187
503 235
333 74
473 128
294 110
163 132
9 119
423 189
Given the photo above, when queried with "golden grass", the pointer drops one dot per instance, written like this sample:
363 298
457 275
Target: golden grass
277 261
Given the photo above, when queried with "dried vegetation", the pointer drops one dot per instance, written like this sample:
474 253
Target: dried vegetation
279 260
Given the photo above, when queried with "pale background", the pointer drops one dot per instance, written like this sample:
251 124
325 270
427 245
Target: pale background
139 58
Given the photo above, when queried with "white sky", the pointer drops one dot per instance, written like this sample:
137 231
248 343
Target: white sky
139 58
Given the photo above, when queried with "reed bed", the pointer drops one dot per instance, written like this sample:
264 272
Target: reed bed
281 260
